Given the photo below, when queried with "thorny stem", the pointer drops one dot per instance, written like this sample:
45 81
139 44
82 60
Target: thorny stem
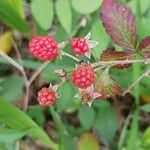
146 73
118 62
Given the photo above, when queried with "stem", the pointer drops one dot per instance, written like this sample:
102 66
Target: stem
70 56
146 73
21 69
61 128
26 99
37 72
136 67
11 61
124 132
117 62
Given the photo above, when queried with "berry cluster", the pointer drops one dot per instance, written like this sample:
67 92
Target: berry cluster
84 76
79 46
44 48
47 96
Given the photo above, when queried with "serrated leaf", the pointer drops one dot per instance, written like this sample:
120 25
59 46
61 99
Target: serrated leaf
43 12
63 11
67 96
106 123
98 32
111 54
88 142
120 24
83 113
10 16
9 89
145 47
13 118
86 6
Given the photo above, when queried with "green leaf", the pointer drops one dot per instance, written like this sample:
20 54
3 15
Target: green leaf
18 5
99 35
106 123
83 113
63 11
10 16
11 135
145 108
43 12
36 112
9 89
145 5
146 137
67 97
13 118
86 6
7 146
88 142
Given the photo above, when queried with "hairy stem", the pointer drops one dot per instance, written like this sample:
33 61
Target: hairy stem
117 62
146 73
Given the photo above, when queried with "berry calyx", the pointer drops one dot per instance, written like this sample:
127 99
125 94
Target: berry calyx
79 46
44 48
83 76
47 96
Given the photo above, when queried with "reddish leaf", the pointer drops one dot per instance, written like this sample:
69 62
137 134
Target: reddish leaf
107 86
145 47
119 23
111 54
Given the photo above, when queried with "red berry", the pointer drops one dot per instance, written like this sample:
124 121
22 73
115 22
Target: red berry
79 46
43 48
46 96
83 76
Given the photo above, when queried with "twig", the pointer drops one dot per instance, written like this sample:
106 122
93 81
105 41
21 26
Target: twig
36 73
70 56
117 62
21 69
20 61
26 98
10 60
146 73
27 86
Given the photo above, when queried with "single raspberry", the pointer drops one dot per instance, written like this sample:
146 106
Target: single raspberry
44 48
79 46
83 76
46 96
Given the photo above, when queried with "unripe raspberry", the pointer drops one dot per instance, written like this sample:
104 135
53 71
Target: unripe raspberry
79 46
47 96
83 76
44 48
